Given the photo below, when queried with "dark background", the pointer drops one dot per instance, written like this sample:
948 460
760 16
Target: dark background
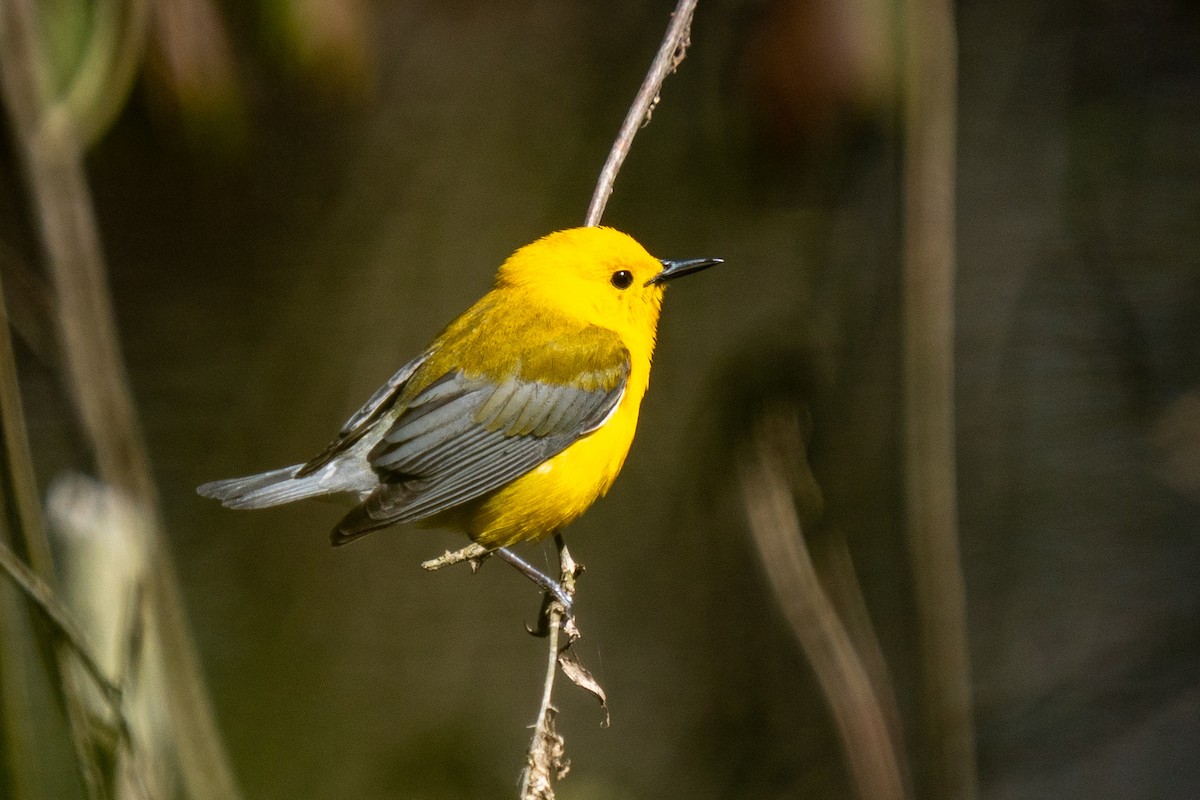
278 245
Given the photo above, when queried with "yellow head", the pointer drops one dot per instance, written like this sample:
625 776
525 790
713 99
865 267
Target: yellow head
597 275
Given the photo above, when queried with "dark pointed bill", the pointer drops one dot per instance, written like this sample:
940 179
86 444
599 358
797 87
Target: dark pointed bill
674 269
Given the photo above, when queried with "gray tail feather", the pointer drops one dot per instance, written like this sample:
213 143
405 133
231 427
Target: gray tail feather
265 489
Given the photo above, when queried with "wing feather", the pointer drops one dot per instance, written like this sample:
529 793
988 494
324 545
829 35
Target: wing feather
494 406
417 436
466 435
439 454
540 398
362 420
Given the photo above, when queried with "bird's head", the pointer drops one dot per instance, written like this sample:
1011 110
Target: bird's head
598 275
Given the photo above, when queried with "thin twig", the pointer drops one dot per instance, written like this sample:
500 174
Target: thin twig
546 744
670 54
545 762
948 741
473 553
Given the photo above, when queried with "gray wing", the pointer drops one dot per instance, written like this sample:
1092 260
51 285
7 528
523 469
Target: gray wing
365 417
464 436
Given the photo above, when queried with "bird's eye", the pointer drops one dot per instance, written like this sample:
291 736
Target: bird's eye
622 279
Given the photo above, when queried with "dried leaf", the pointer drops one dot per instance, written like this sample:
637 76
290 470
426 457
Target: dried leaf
571 630
574 669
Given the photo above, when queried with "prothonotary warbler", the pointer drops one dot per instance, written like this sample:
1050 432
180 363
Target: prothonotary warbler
520 414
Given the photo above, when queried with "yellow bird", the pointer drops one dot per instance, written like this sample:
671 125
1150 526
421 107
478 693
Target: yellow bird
520 414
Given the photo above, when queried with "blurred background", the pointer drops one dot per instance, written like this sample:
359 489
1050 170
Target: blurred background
293 196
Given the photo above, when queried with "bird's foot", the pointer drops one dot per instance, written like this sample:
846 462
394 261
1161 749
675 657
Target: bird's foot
551 587
553 592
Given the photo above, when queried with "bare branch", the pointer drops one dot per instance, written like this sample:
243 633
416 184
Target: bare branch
670 55
546 762
544 759
474 553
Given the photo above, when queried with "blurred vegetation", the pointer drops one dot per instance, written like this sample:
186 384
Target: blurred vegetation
295 195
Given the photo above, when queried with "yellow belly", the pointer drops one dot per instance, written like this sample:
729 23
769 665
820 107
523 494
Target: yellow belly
555 493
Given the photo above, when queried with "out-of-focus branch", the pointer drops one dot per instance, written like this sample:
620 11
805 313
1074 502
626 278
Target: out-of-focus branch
670 55
51 148
767 471
105 74
42 596
835 569
53 159
23 522
948 740
30 310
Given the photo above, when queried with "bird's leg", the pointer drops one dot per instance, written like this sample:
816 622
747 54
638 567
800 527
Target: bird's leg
548 584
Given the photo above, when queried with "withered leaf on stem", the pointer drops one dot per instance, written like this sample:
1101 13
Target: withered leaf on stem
574 669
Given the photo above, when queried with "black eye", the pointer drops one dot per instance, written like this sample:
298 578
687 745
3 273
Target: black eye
622 279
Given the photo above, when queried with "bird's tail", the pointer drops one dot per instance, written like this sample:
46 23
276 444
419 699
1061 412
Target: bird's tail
266 488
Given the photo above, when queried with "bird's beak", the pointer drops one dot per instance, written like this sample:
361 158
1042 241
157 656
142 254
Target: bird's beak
674 269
